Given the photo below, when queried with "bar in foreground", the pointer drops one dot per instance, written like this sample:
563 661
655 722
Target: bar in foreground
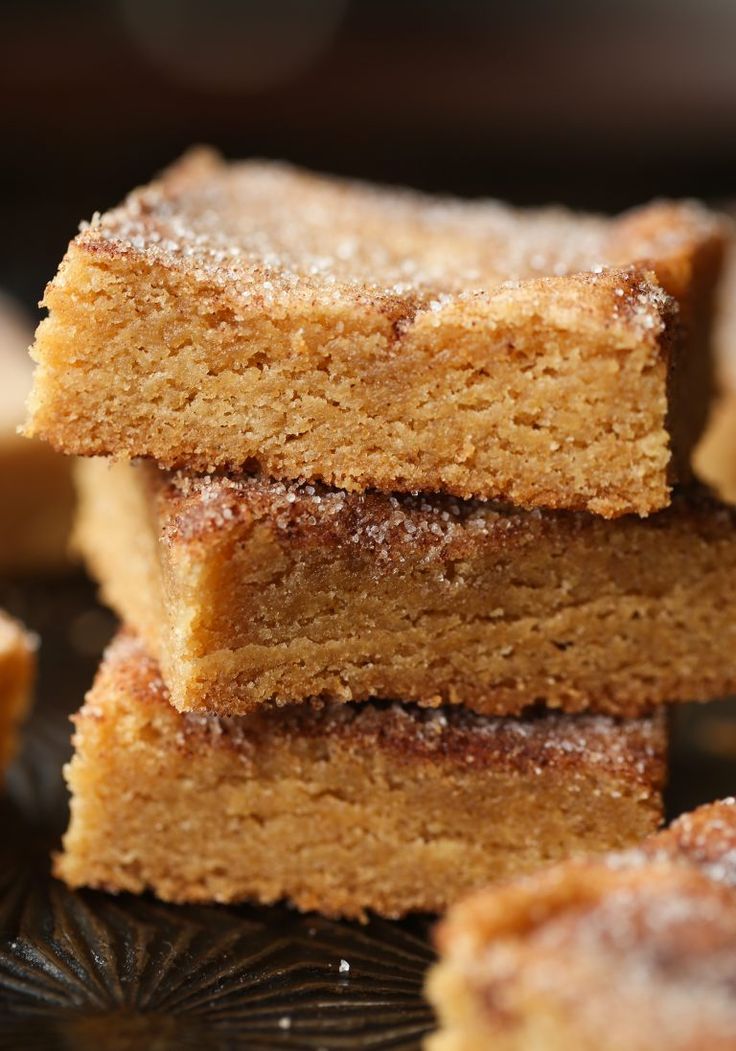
633 952
344 808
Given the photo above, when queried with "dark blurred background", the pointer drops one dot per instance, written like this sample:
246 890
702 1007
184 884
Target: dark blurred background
597 103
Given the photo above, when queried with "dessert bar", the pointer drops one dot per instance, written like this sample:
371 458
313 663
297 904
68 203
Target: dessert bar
247 314
248 591
17 668
36 493
635 952
340 808
715 457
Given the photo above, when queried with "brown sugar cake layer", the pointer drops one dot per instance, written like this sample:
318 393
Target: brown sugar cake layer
17 668
340 808
636 952
249 591
239 314
36 493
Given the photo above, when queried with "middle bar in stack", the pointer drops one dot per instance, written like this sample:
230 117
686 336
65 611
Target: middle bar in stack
249 591
260 323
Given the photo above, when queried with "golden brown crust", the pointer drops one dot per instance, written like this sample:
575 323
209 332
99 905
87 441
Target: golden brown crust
630 939
705 839
377 338
339 808
249 592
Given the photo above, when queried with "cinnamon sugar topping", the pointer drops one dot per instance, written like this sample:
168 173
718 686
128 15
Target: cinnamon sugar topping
272 231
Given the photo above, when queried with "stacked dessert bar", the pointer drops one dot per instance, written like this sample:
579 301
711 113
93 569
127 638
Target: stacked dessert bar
391 529
17 674
714 460
36 490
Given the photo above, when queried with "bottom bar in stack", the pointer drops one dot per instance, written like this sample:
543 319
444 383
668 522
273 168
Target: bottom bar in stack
342 808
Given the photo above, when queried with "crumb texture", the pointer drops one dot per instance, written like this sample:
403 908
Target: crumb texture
327 330
340 808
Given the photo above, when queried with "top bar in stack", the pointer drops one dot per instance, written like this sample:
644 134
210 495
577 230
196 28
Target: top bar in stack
252 315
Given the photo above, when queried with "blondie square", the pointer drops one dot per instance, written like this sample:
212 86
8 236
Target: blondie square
251 314
715 457
340 808
17 668
250 591
634 952
36 493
